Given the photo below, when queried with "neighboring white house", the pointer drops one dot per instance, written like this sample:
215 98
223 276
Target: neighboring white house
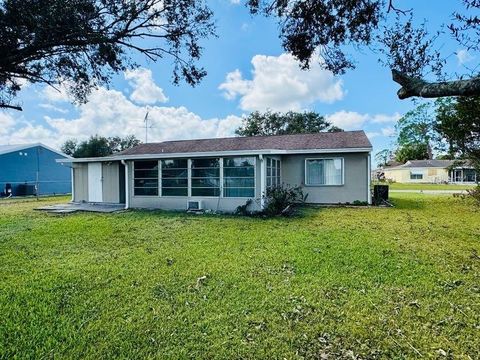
430 171
221 174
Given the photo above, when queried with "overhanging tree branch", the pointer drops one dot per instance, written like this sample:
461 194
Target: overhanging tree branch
417 87
7 106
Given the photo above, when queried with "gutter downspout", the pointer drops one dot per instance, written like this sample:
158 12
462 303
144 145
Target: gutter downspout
73 183
127 196
369 179
262 181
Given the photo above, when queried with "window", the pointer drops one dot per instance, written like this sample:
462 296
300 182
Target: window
206 177
145 178
273 172
324 171
239 177
469 175
175 177
416 176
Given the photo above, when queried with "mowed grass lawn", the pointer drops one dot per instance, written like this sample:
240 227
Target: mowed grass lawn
334 283
420 186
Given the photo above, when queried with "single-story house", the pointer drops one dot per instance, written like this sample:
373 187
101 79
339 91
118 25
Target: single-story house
30 168
221 174
431 171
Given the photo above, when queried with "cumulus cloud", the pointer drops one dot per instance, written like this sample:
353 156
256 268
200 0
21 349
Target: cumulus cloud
388 131
279 84
7 123
352 120
463 56
111 113
145 91
348 120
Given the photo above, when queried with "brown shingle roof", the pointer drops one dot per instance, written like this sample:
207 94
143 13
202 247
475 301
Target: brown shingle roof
335 140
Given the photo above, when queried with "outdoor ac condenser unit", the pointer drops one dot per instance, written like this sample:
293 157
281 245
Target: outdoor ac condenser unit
194 205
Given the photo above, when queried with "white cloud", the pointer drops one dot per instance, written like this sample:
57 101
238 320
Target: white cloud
463 56
348 120
279 84
372 134
57 94
110 113
235 2
53 108
352 120
7 123
388 131
145 91
384 118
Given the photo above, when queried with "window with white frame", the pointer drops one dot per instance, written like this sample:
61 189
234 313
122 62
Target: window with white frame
145 178
416 176
324 171
239 177
273 172
175 177
205 177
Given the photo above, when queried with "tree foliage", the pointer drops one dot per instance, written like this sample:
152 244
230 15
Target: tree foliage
416 134
277 123
458 123
97 146
83 42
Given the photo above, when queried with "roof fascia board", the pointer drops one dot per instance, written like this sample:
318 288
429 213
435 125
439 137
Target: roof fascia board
217 153
28 146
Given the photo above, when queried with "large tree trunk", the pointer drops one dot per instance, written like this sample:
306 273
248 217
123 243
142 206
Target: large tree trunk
418 87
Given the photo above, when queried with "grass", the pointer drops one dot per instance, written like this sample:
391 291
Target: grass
418 186
390 283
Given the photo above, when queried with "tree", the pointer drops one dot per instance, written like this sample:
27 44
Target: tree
82 43
383 157
329 28
458 123
277 123
416 133
97 146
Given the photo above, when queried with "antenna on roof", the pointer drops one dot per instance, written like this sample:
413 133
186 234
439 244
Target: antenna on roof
145 120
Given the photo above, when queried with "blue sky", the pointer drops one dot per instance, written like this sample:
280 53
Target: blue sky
247 70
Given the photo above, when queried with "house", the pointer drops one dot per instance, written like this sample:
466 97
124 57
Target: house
30 168
431 171
223 173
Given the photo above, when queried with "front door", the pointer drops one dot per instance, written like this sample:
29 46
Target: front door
95 182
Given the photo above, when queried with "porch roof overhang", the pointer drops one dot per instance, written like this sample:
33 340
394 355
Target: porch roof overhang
214 154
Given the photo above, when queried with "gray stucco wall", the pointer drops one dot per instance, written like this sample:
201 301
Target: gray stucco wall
80 181
110 182
180 202
355 185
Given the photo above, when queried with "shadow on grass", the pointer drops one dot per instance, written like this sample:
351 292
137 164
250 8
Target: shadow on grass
404 203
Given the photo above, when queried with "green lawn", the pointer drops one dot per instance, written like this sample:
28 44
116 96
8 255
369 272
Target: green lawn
399 186
388 283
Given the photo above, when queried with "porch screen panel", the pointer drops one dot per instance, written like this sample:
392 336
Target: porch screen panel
239 177
324 172
175 177
206 177
145 178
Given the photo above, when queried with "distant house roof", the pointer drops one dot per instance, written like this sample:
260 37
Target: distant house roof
428 164
318 141
6 149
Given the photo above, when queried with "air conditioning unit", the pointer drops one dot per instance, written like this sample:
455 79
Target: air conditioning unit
194 205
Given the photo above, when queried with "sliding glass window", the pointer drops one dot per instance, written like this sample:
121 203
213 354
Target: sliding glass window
239 177
145 178
175 177
205 177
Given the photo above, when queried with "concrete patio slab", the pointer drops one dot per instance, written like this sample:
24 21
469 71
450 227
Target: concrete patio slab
74 207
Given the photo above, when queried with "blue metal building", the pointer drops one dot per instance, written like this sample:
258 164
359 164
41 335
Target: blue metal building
24 169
